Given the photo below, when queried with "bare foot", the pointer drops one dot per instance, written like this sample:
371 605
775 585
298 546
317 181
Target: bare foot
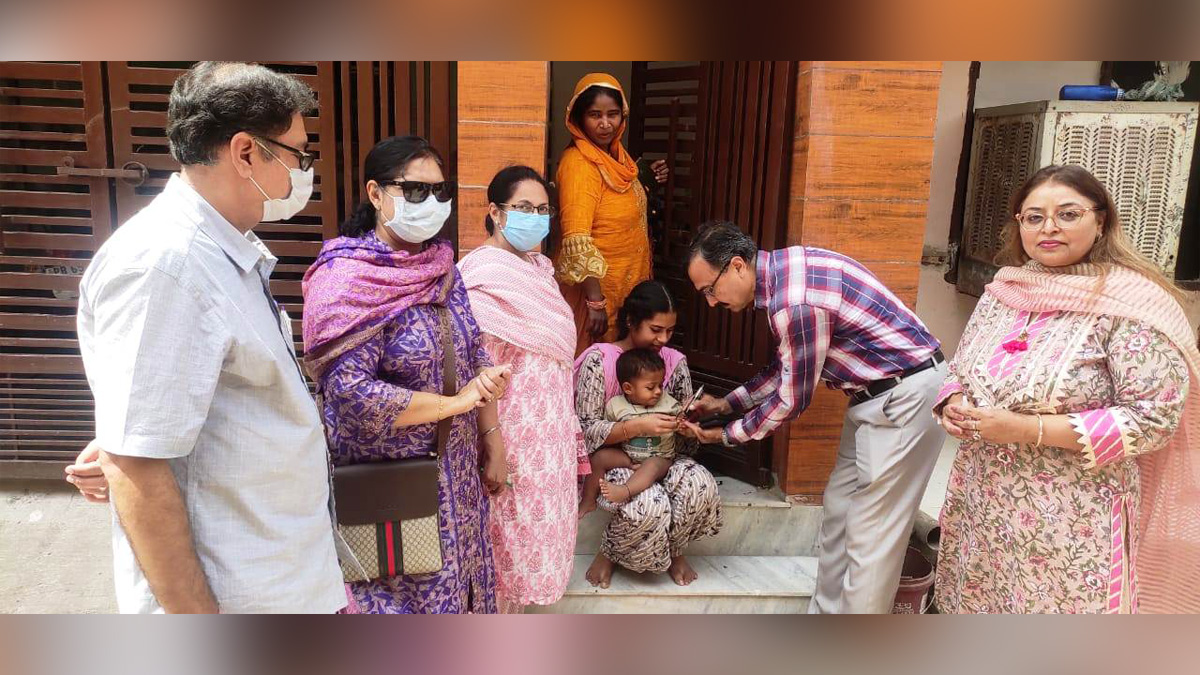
681 571
601 571
617 494
586 507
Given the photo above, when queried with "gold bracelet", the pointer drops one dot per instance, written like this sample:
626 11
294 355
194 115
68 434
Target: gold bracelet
441 402
1041 429
495 428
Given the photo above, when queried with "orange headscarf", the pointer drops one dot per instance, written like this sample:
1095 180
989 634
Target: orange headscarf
620 171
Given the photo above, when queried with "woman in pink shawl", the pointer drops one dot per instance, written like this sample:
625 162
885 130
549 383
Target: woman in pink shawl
527 325
374 344
650 532
1075 394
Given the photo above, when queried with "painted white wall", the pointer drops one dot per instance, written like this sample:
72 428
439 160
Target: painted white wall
1005 82
947 142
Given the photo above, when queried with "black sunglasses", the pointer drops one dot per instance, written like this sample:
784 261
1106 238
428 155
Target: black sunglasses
306 159
416 191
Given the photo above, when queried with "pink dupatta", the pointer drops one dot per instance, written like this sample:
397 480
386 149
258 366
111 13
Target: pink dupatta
357 285
1168 555
519 301
609 353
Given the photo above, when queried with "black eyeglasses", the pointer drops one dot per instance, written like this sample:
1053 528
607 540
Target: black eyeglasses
416 191
526 207
710 289
306 159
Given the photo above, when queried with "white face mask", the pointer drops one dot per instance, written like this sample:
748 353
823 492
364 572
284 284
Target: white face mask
418 223
282 209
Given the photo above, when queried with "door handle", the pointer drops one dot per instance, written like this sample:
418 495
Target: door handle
133 173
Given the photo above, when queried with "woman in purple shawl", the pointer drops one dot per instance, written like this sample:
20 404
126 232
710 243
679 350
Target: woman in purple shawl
371 339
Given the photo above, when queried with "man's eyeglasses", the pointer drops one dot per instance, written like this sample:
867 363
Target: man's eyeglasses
526 207
710 290
1065 219
306 159
416 191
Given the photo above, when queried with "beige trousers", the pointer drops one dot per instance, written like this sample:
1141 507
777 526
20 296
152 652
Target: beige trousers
889 447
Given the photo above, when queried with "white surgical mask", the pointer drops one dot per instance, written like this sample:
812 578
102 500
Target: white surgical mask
418 223
282 209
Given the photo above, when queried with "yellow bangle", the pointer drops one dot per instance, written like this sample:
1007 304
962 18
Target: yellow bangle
441 402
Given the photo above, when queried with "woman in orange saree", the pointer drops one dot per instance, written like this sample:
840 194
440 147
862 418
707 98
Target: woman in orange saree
605 250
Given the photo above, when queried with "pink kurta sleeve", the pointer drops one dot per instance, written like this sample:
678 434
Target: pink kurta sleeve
1150 385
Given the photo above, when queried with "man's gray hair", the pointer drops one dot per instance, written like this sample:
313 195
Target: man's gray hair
719 241
215 100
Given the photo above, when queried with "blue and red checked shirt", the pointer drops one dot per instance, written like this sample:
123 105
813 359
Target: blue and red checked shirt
834 321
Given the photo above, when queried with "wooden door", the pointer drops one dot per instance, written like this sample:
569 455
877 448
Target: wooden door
727 128
83 147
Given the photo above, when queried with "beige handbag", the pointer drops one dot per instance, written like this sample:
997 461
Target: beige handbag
387 512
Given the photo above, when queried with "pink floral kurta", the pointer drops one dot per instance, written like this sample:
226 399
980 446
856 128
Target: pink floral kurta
1028 529
533 525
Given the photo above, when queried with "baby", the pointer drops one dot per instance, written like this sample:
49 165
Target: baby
641 373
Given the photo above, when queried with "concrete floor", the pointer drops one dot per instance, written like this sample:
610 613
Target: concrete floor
55 552
56 557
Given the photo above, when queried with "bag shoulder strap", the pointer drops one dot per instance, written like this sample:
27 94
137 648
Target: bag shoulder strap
449 375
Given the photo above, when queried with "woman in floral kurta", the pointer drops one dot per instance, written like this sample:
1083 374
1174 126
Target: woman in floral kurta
1044 530
1075 488
527 325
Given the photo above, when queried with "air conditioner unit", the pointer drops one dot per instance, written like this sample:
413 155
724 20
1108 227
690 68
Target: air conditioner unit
1142 152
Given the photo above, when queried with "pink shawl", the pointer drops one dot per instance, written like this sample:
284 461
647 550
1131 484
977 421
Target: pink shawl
1168 554
519 301
608 356
358 283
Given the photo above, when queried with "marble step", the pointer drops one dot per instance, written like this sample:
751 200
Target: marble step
757 522
726 585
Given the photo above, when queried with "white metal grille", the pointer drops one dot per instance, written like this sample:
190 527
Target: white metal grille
1139 159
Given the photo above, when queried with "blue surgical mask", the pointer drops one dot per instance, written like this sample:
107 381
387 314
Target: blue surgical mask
525 231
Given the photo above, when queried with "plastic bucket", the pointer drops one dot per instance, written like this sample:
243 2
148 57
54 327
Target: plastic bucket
915 579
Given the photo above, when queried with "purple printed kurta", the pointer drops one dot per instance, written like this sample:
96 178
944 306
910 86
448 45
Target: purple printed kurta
363 393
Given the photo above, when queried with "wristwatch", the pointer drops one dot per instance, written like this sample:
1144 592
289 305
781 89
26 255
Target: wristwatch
725 439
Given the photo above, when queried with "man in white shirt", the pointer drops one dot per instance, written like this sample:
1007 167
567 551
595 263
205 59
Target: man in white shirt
212 446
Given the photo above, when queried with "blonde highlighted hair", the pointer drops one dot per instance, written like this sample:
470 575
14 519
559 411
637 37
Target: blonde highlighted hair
1112 249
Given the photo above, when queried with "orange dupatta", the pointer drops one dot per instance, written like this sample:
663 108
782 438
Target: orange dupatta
620 171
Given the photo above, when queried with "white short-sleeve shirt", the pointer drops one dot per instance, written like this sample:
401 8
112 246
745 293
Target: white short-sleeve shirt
189 362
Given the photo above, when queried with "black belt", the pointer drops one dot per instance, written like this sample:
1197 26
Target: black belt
880 386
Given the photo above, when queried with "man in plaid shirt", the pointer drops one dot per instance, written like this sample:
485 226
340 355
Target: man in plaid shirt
834 321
